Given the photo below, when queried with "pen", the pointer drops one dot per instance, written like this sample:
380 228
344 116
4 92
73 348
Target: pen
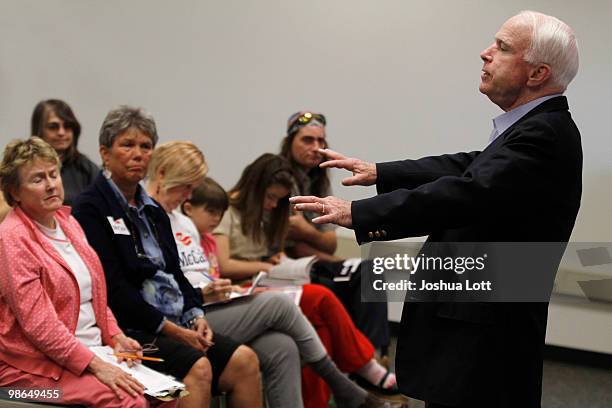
209 277
135 357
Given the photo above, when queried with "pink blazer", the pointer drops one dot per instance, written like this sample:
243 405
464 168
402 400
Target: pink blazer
39 304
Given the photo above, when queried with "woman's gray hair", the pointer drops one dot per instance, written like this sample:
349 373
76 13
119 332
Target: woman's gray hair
552 42
124 118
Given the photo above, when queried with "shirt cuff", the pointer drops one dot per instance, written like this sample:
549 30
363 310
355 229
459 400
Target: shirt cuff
191 314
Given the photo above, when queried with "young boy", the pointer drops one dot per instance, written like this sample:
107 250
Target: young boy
206 207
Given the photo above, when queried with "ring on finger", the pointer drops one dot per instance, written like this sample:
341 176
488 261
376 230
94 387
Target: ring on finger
322 208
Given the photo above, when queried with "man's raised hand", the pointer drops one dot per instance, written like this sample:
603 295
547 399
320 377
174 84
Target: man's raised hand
364 173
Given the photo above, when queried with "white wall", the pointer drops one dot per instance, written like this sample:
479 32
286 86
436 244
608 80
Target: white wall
396 78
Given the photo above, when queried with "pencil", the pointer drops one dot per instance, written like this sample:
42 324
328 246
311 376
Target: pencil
135 357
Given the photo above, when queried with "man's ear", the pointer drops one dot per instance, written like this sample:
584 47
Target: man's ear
539 75
187 208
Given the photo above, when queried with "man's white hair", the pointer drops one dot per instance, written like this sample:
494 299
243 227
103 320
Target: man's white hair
552 42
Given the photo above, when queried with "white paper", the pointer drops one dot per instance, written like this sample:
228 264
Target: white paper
297 271
156 384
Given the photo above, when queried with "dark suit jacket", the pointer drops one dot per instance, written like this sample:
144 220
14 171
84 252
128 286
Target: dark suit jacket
124 270
524 187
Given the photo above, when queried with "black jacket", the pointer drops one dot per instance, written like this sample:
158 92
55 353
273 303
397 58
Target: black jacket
124 270
77 175
524 187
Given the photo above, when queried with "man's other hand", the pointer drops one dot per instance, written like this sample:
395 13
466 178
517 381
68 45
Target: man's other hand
364 173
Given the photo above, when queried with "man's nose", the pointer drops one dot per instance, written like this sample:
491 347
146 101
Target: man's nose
485 55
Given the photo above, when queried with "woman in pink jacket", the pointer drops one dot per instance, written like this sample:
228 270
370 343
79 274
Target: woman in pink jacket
53 294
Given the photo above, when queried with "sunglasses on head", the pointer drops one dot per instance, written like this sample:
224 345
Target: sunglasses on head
304 118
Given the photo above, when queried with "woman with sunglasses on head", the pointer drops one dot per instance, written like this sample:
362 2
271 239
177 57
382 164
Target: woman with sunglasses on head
54 122
150 296
269 322
52 292
306 135
255 223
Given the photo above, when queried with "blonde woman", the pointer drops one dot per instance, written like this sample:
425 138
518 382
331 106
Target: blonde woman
268 322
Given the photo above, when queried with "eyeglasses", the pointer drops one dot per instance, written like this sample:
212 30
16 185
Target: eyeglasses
302 119
55 126
131 226
147 348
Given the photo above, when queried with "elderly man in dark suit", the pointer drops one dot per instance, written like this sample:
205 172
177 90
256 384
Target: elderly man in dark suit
524 186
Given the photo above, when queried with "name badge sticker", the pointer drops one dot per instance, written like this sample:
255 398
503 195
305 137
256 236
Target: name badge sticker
118 226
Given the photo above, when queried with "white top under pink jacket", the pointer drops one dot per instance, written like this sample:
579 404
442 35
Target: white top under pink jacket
39 303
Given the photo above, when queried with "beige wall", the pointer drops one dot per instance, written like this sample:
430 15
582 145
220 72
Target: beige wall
396 78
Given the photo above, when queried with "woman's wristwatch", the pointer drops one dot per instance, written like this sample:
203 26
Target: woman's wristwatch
192 322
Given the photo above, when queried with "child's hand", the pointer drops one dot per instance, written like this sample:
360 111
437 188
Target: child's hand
276 258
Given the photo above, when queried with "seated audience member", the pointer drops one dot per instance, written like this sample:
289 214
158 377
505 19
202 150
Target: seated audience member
305 136
54 122
4 207
268 322
205 208
256 221
52 291
147 291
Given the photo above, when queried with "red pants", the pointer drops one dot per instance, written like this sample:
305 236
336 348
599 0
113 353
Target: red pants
345 344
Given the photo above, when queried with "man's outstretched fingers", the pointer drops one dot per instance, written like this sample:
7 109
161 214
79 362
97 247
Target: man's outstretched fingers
331 154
